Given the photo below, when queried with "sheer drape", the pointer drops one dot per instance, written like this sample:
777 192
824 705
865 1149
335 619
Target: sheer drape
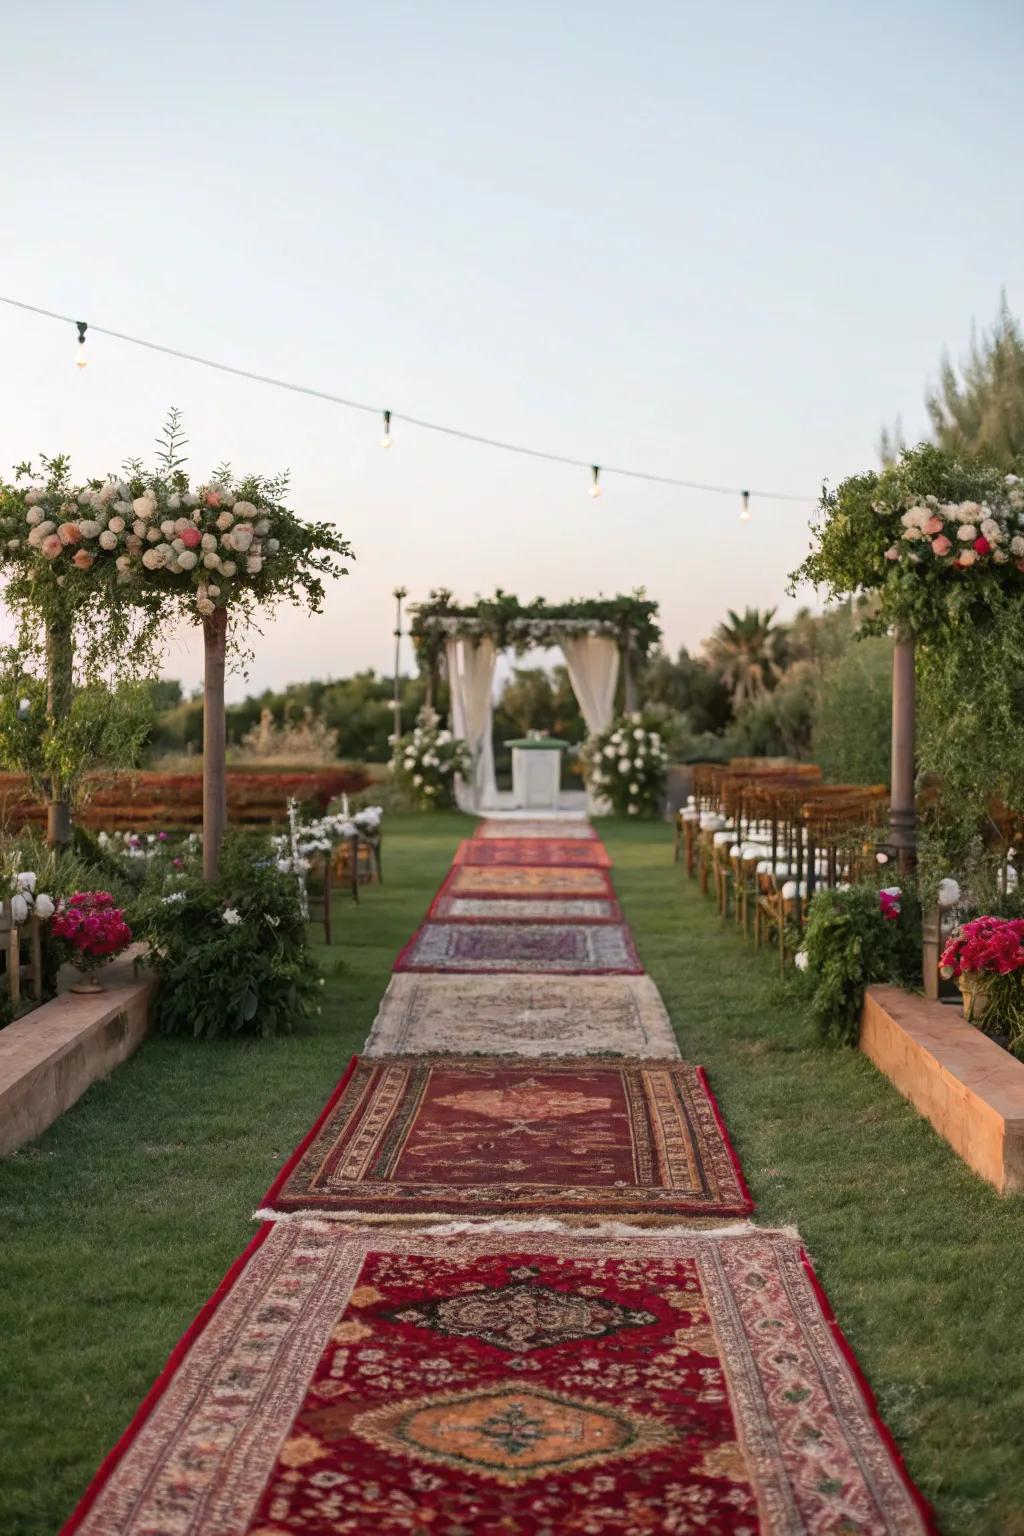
470 677
593 663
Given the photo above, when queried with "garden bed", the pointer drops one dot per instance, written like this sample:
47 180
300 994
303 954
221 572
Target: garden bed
967 1086
50 1056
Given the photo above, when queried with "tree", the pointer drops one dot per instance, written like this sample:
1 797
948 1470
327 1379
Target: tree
981 411
689 686
747 651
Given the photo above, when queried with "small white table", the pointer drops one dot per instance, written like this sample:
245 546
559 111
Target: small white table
536 772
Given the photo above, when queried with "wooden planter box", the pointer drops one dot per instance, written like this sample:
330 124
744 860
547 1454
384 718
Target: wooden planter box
50 1057
970 1089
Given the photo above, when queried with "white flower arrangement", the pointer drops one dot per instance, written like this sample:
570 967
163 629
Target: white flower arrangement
429 759
627 766
958 535
26 902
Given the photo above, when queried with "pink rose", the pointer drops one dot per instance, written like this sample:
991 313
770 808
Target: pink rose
934 524
69 533
967 557
982 545
213 498
941 545
190 537
892 553
82 559
51 546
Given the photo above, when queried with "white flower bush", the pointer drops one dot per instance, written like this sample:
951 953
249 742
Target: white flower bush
627 766
25 901
429 759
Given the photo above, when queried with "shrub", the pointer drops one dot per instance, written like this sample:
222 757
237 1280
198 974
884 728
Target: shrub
428 761
232 957
853 938
627 766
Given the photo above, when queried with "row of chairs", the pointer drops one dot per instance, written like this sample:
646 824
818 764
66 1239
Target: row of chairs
761 836
354 862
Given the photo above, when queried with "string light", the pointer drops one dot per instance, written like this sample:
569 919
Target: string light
412 421
745 510
81 361
595 487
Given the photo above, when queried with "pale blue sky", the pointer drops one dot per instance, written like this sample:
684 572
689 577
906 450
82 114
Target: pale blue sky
719 242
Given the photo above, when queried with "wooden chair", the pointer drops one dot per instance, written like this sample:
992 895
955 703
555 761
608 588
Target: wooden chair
23 976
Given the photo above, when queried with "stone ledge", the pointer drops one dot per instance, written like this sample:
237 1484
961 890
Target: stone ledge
52 1055
970 1089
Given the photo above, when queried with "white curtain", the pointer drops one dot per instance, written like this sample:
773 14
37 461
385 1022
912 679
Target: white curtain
593 663
470 678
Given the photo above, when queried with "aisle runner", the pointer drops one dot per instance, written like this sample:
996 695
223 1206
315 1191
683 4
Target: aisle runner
548 1358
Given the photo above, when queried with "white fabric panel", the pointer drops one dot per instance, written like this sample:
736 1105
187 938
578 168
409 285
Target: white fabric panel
593 663
470 677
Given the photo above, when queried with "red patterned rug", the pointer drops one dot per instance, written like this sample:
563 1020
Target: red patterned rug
524 909
564 949
572 853
478 880
473 1136
389 1385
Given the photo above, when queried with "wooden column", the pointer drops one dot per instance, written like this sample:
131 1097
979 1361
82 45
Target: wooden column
215 784
902 812
60 657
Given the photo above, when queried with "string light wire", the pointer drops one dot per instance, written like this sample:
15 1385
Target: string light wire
411 421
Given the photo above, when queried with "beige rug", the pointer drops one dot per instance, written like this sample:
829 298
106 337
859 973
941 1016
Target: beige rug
522 1015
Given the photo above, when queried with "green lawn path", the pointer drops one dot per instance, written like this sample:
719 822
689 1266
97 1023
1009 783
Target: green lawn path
118 1222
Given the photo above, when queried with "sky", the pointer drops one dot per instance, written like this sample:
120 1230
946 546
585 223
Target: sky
719 243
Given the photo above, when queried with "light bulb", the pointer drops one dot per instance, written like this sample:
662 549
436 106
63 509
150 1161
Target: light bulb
81 361
745 511
595 487
385 441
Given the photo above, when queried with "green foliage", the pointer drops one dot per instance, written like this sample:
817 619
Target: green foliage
232 958
631 618
849 945
852 730
690 686
102 728
982 412
746 651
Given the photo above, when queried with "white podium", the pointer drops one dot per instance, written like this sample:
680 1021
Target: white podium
536 772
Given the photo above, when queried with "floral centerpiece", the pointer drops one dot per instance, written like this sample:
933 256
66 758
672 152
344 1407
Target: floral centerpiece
985 957
627 766
93 930
428 760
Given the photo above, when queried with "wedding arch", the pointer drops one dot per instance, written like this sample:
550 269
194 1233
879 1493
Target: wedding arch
599 638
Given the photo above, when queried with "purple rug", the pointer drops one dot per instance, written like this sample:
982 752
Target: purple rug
578 949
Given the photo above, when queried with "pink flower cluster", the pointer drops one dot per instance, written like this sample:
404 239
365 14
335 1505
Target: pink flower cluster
889 902
957 535
91 924
992 944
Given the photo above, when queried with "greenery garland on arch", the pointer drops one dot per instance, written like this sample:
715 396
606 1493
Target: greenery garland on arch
631 618
106 564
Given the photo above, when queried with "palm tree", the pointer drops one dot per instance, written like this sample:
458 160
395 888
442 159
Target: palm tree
747 653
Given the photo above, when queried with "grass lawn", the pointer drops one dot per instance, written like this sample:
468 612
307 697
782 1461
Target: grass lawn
122 1218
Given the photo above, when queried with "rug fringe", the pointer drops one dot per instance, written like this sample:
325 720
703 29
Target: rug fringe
434 1225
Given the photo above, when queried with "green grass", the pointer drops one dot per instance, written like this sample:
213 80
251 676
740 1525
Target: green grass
122 1218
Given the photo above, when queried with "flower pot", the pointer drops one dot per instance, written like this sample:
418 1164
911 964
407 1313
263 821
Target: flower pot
87 982
974 992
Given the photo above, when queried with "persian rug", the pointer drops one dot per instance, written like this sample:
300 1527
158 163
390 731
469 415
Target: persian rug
565 852
522 1015
524 909
376 1385
487 1137
576 949
474 880
540 828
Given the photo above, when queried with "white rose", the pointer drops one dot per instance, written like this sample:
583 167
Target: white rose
173 501
273 545
225 520
13 544
208 541
188 560
625 766
240 538
90 528
153 535
254 564
181 523
144 507
228 567
204 606
211 561
108 540
34 494
191 499
44 906
153 560
245 509
167 528
262 527
232 917
967 533
116 525
949 892
123 562
19 908
801 959
213 591
26 881
35 516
